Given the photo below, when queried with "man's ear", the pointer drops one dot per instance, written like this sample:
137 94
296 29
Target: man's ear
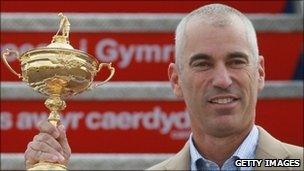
175 80
261 70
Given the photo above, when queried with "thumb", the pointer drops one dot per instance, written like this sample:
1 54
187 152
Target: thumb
63 141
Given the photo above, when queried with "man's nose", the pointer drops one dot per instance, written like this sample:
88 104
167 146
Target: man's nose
221 77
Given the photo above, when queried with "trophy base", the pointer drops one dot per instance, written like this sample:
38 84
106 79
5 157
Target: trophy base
48 166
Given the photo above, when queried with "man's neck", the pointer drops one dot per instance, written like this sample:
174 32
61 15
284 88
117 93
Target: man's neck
217 149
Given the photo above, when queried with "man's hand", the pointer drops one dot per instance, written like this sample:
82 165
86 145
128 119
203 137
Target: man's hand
50 145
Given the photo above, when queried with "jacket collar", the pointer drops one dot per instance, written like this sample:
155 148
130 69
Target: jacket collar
269 148
181 161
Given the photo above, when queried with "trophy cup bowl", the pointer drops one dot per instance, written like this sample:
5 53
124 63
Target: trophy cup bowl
58 71
43 68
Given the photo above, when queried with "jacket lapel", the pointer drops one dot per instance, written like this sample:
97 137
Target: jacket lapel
181 161
269 148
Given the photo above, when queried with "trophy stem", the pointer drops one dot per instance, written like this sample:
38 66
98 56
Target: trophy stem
55 104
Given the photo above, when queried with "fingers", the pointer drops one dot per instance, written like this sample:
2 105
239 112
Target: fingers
49 140
40 151
43 151
63 141
31 157
46 127
50 145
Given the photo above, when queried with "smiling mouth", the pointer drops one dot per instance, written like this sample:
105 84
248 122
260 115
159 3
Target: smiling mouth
225 100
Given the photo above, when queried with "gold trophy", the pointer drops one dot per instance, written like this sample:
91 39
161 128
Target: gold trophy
58 71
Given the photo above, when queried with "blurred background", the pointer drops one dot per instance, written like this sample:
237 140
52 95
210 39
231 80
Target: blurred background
135 121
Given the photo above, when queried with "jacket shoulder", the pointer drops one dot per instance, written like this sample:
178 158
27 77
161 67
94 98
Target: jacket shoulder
295 152
179 161
161 165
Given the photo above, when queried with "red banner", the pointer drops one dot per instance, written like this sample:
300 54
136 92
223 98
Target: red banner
172 6
123 127
137 55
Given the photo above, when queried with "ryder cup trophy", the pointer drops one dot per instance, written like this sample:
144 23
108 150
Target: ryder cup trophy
58 71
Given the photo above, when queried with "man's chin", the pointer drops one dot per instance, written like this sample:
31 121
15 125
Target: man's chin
223 128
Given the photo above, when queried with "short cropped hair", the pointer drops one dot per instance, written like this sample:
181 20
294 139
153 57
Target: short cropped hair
218 15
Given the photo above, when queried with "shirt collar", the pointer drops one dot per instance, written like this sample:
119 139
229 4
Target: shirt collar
245 151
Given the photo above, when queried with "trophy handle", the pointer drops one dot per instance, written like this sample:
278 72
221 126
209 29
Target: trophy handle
112 70
4 56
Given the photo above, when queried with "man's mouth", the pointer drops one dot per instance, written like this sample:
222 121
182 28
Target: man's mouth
223 100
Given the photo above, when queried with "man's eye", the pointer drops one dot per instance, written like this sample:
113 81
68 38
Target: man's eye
201 65
237 63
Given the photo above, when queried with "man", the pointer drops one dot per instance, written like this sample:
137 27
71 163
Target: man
218 72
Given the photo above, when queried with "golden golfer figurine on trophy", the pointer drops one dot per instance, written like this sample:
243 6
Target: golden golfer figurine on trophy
58 71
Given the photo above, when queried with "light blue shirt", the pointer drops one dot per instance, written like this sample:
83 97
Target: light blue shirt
245 151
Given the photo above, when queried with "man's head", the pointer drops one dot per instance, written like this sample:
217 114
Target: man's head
217 15
217 71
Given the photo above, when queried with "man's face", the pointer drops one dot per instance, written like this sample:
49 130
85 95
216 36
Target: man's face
219 79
